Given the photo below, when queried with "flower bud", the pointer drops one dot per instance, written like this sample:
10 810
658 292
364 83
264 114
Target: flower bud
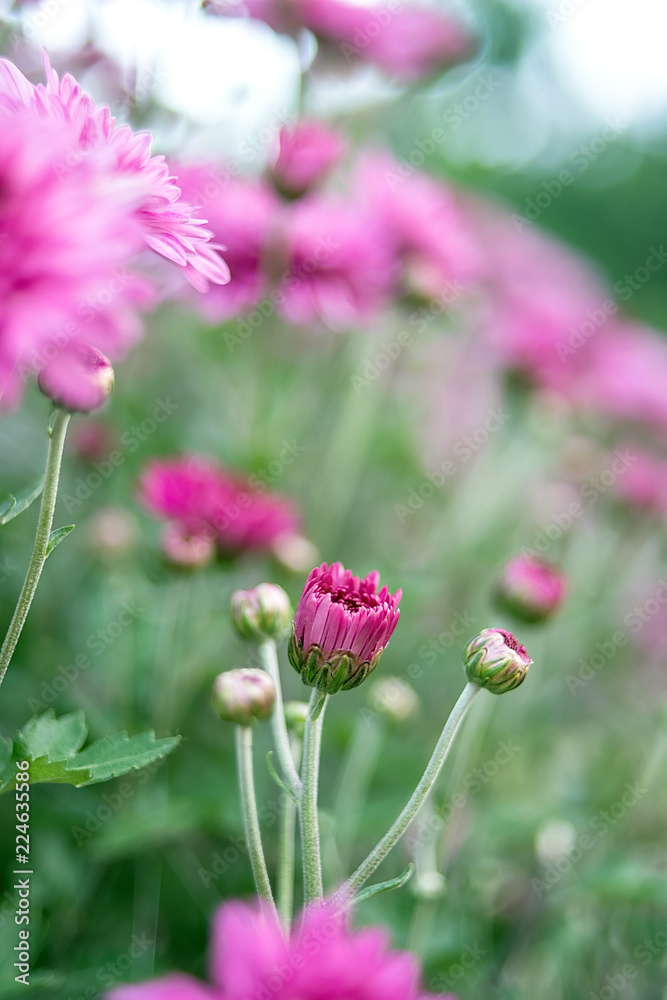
529 588
393 697
79 379
244 695
186 550
261 613
342 625
296 713
496 661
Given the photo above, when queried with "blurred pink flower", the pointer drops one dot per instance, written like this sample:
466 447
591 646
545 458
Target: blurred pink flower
425 224
341 626
63 241
167 223
79 379
406 41
322 960
643 484
206 501
403 40
307 152
242 212
80 201
338 266
530 588
625 375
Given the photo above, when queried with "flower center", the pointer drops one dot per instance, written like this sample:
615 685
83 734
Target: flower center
353 600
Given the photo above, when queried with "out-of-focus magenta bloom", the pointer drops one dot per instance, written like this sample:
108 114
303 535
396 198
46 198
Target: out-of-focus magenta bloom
339 268
61 240
241 213
643 483
322 960
625 375
424 223
184 549
168 225
530 588
406 41
307 152
342 625
206 501
79 379
80 200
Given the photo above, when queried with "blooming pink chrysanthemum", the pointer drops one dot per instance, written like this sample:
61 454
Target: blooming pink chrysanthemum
341 626
206 501
168 225
530 588
80 200
307 152
322 960
422 219
339 270
242 211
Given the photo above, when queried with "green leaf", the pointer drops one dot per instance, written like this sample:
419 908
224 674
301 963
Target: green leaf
15 505
56 537
58 771
394 883
54 739
115 755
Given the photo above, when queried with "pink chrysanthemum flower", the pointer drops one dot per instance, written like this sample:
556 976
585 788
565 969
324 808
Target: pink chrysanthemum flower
339 270
80 200
207 502
342 625
322 960
530 588
306 154
242 212
425 223
167 223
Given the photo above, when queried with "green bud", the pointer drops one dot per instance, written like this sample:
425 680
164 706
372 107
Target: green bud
264 612
244 695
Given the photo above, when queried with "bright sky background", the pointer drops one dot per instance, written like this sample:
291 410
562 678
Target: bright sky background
231 76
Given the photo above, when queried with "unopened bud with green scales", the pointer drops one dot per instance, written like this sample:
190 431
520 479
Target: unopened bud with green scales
265 612
244 695
495 660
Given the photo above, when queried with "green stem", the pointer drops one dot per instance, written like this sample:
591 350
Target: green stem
428 779
269 658
310 833
285 890
250 817
39 551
